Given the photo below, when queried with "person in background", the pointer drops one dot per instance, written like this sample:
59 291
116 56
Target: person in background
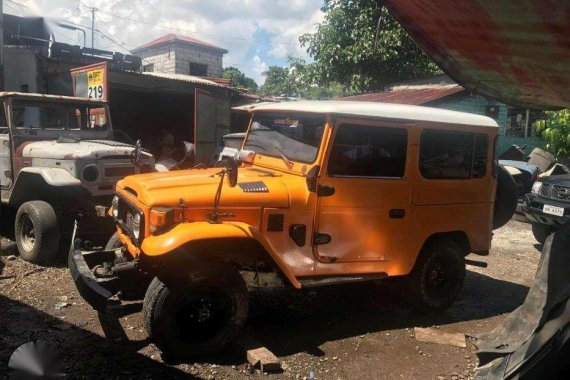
166 143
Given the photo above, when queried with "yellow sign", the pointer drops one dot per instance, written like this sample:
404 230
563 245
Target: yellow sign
95 83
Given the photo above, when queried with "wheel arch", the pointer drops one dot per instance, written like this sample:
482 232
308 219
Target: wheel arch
459 237
234 243
46 184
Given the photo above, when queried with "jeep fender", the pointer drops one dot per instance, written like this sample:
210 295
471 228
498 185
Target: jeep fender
49 184
190 232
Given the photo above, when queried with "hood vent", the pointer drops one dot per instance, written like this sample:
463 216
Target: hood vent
254 187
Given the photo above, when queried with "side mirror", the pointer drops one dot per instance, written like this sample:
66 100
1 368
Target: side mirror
312 177
246 156
136 153
232 171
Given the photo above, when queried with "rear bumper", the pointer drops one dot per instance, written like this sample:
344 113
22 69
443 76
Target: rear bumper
533 206
96 291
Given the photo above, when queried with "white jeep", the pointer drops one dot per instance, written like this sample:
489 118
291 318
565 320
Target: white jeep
58 161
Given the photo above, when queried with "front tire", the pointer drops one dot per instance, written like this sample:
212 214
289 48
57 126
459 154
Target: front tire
198 316
437 277
37 232
540 232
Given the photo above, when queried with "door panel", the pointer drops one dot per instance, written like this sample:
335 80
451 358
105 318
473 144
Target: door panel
212 122
367 217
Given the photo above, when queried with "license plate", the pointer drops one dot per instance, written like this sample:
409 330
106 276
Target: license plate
553 210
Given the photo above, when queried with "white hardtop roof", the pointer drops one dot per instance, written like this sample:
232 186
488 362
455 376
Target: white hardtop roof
378 110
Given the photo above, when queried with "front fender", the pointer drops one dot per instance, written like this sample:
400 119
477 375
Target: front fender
190 232
53 176
50 184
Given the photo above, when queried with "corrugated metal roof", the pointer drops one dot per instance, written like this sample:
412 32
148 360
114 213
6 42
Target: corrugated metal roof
48 97
414 96
516 51
185 78
178 38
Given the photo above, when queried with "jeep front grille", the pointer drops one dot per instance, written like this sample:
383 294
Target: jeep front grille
555 192
119 171
127 212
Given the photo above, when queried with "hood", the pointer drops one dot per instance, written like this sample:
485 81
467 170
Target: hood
88 149
561 180
197 187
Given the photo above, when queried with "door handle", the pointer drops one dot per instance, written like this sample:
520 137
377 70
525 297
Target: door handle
397 213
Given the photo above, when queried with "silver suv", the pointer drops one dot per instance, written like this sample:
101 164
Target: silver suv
58 161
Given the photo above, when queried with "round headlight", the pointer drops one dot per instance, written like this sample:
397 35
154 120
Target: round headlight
137 225
90 173
536 187
115 204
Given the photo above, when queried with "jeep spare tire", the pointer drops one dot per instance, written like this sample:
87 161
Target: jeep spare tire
197 316
506 198
37 232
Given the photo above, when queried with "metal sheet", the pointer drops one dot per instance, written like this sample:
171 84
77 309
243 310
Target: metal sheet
515 51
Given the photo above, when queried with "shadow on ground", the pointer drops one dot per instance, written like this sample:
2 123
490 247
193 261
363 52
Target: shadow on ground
352 310
84 354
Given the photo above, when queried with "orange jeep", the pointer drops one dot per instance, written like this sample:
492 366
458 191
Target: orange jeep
321 193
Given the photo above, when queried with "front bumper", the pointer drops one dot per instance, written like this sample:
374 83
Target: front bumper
96 291
534 204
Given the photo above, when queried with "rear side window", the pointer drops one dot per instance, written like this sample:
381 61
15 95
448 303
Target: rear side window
368 151
481 147
453 155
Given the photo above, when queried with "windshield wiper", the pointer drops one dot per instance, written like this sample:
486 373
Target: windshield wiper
286 160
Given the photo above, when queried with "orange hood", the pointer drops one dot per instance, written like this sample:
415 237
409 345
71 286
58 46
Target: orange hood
197 187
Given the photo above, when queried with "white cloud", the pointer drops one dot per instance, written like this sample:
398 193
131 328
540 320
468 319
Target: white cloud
230 24
258 68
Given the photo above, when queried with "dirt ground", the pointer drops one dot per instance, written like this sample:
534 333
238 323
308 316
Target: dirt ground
358 331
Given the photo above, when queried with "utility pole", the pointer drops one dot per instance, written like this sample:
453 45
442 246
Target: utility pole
93 9
1 45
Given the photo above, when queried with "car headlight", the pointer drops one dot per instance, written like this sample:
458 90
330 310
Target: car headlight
536 187
90 173
137 226
115 205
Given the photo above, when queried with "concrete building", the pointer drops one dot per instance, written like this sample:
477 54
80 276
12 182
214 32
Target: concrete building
516 124
175 54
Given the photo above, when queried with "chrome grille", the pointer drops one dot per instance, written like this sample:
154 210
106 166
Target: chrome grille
545 190
119 171
560 193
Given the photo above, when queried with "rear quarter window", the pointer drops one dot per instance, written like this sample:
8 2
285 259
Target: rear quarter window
453 154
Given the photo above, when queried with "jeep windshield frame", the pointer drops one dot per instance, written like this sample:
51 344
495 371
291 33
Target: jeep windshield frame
289 136
54 118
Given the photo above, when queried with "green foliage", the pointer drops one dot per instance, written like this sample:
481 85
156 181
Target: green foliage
239 79
298 79
345 50
278 82
555 130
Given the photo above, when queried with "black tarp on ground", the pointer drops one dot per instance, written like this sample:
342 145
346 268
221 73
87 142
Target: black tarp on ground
534 341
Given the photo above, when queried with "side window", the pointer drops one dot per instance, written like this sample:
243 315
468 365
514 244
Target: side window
481 147
367 151
446 154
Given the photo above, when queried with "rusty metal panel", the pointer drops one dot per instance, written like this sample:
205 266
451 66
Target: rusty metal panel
407 96
516 51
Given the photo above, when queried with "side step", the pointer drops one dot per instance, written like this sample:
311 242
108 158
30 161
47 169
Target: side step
322 281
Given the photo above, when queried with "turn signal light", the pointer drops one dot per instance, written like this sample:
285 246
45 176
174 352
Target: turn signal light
160 218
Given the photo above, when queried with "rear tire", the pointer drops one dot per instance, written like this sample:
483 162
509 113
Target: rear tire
438 276
506 198
540 232
37 232
198 316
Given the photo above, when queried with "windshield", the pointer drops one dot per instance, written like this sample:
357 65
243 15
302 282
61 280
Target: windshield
58 116
290 135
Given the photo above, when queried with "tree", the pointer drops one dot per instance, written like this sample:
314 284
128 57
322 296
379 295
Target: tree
345 48
555 130
278 82
239 79
298 79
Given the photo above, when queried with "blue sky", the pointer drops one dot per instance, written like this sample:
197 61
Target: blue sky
257 33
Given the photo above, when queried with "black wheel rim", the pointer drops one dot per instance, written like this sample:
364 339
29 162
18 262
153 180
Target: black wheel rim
202 314
27 233
441 279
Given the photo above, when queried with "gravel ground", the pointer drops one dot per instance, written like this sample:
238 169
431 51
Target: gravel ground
358 331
